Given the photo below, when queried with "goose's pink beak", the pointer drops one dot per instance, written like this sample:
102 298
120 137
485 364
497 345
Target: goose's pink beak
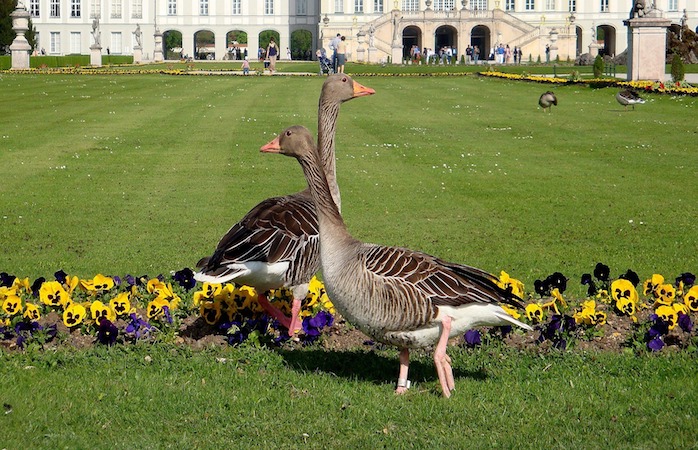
271 146
360 90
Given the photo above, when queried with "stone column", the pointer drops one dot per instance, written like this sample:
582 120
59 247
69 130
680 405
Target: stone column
647 46
396 45
96 55
157 53
20 46
553 45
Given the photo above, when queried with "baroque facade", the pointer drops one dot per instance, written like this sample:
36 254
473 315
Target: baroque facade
375 30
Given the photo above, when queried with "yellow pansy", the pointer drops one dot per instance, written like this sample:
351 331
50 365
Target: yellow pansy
665 294
74 314
534 312
668 315
32 312
12 305
652 284
99 310
52 293
623 289
121 304
690 299
155 309
210 311
513 285
509 310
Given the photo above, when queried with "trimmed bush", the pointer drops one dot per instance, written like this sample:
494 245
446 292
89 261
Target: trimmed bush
598 66
677 69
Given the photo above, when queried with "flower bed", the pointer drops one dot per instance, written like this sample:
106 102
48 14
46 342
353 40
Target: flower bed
115 311
678 88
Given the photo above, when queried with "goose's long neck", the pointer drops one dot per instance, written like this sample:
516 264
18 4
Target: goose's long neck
329 218
327 128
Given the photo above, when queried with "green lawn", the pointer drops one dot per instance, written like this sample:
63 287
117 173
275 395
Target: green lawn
142 174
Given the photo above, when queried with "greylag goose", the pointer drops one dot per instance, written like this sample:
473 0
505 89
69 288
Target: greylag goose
395 295
276 243
547 100
629 97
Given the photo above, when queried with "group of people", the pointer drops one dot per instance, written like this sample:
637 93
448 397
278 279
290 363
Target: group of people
338 45
502 54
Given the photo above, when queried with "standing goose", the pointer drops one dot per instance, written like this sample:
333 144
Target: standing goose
629 97
276 243
395 295
547 100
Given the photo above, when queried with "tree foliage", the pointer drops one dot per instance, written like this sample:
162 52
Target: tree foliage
598 66
7 34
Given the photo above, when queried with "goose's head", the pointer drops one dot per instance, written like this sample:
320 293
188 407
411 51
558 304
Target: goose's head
295 141
341 87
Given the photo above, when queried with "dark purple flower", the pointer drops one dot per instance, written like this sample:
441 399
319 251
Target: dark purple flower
687 278
37 285
659 327
6 279
117 280
601 272
557 281
138 327
185 278
25 330
61 276
685 322
472 338
655 344
312 326
130 280
541 287
591 290
168 315
631 276
107 332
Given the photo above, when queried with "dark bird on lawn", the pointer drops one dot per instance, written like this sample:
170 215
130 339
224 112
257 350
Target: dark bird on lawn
629 97
547 100
276 244
397 296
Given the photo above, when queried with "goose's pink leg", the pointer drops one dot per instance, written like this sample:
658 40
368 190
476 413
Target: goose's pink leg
274 311
295 320
402 382
442 361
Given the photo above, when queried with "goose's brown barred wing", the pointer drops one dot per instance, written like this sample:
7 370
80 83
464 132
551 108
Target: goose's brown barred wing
437 281
277 229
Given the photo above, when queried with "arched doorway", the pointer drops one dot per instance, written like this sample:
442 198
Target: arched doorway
301 45
411 36
204 45
236 45
172 44
579 32
264 38
480 37
607 35
445 36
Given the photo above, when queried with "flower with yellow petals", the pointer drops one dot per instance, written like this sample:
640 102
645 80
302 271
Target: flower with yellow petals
12 305
97 285
651 285
534 312
52 293
668 315
665 294
509 310
155 308
74 314
513 285
121 304
210 311
31 312
690 299
99 311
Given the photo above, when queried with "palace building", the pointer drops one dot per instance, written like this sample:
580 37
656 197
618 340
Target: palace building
375 30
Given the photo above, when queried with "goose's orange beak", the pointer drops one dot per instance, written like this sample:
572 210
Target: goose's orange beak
271 146
360 90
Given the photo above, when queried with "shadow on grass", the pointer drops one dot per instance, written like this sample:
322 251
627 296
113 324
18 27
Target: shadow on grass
366 365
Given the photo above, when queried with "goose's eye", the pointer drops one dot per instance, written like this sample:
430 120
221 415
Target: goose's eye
344 79
288 132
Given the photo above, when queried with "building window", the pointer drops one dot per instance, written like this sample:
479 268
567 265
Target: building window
604 5
268 7
34 8
171 7
75 38
203 7
301 7
55 43
55 9
95 9
444 5
358 6
75 8
116 9
572 5
530 5
550 5
410 5
237 7
137 9
479 5
672 5
509 5
115 43
378 6
339 6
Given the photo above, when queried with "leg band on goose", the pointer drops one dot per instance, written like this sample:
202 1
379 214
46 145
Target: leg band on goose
402 382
